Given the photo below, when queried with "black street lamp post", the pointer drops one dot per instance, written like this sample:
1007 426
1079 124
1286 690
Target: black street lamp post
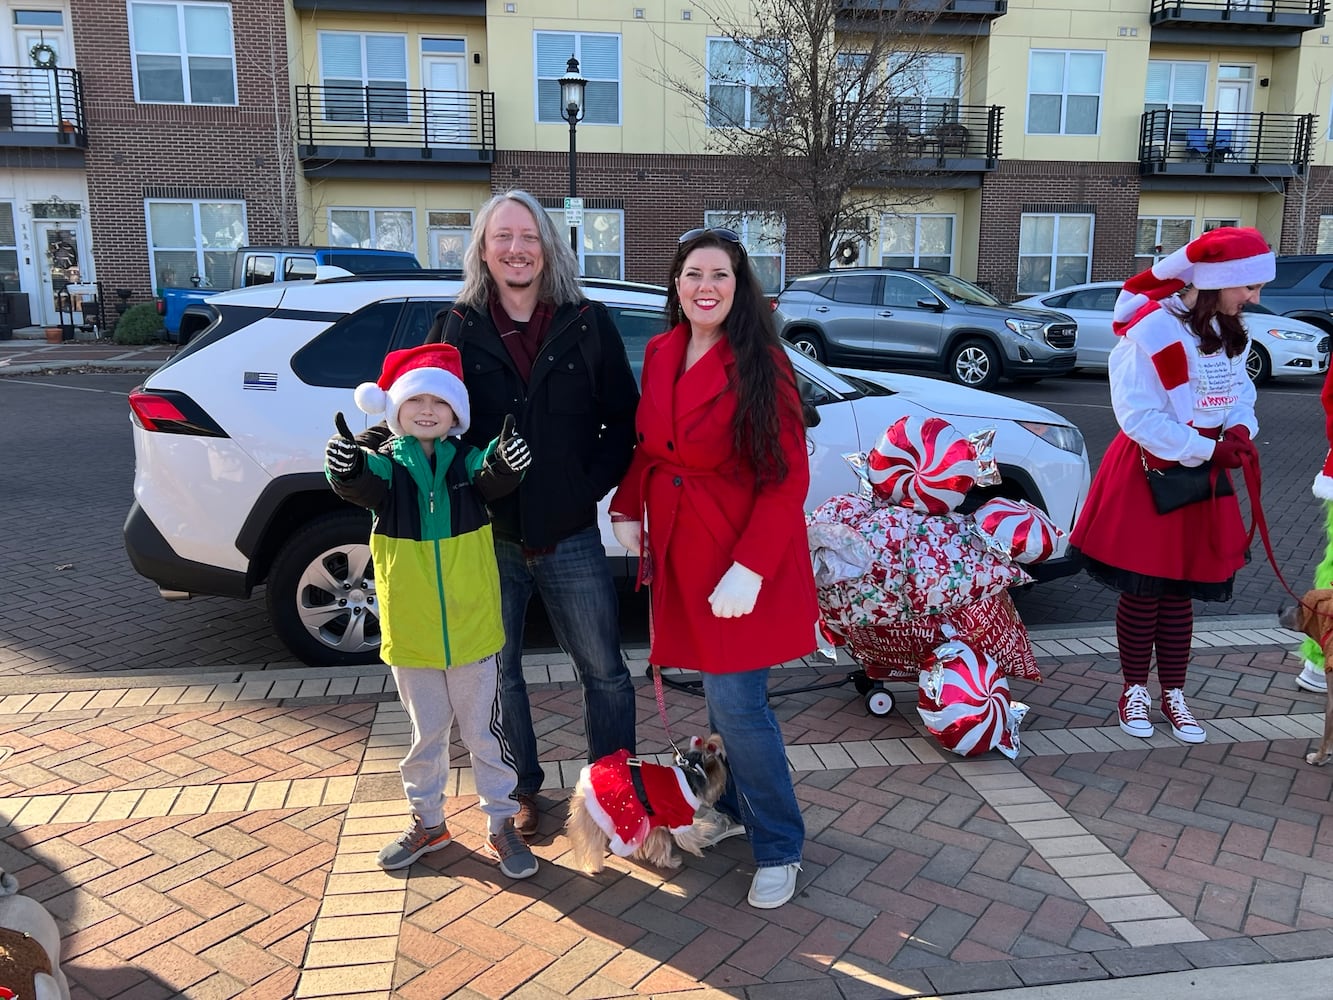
572 88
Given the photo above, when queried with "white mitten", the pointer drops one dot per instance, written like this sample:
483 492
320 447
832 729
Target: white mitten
736 592
628 534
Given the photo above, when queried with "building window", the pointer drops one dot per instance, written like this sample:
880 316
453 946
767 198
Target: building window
373 228
447 237
1210 224
182 53
743 87
364 77
917 241
926 90
600 247
1064 92
194 238
599 64
1324 241
1054 251
1180 86
9 249
1158 236
764 236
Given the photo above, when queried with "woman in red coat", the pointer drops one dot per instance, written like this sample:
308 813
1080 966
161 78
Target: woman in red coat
720 475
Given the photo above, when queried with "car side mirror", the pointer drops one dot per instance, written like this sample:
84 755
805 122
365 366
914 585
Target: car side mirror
934 305
809 402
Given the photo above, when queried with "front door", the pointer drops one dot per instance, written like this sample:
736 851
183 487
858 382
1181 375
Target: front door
59 259
447 246
1233 107
448 105
40 101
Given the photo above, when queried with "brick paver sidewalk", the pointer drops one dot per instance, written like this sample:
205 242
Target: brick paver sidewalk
217 838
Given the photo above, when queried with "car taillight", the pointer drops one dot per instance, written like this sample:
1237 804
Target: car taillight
170 412
161 306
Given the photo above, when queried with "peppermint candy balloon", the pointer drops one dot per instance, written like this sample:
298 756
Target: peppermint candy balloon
964 701
923 464
1018 528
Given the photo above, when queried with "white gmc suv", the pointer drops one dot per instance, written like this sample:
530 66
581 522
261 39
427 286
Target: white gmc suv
229 489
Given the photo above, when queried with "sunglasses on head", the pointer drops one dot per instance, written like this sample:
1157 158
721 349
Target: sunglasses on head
730 235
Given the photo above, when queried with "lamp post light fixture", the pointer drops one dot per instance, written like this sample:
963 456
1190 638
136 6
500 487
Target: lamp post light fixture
572 90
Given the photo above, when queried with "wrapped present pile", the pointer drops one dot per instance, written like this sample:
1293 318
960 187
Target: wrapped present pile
899 570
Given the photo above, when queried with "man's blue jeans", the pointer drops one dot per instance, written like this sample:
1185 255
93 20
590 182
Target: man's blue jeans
759 789
580 598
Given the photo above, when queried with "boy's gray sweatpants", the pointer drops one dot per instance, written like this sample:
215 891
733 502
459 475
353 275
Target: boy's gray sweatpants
433 698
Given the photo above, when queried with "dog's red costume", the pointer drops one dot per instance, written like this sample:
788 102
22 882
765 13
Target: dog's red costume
613 802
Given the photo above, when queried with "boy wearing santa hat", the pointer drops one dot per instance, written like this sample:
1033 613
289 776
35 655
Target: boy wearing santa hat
1182 398
438 587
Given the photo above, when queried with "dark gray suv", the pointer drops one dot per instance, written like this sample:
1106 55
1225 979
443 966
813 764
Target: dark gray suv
1302 288
914 318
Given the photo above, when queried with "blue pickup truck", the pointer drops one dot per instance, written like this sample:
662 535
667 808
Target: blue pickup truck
265 265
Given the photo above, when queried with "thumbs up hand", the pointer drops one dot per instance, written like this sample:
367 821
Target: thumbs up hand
511 451
342 455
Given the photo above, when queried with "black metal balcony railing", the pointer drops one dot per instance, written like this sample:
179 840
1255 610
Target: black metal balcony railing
395 117
961 9
1245 11
940 131
41 106
1224 142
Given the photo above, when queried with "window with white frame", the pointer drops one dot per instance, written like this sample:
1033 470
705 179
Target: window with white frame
364 76
764 236
926 90
1324 241
183 53
1179 86
447 237
9 248
917 241
599 64
373 228
600 247
1158 236
189 238
1064 92
1054 251
744 86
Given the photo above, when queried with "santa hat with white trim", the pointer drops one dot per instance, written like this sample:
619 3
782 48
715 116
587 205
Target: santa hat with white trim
1323 483
436 369
1226 257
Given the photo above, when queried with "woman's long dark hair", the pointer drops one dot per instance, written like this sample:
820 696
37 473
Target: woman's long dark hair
1200 319
760 361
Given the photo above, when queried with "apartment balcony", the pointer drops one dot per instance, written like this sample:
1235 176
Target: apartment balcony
1222 150
394 133
417 8
940 144
929 17
1269 23
41 117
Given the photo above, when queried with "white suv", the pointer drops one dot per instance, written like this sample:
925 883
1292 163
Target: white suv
229 489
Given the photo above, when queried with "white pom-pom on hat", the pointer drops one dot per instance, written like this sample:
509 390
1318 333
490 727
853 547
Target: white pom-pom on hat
370 398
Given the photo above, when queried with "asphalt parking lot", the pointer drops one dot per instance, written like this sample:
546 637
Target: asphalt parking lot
75 604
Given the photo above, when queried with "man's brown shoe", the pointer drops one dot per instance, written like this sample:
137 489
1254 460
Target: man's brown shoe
528 814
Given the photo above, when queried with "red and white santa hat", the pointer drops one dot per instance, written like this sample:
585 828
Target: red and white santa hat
1227 257
1323 483
436 369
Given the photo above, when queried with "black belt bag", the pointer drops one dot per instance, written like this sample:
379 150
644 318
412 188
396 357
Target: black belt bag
1179 486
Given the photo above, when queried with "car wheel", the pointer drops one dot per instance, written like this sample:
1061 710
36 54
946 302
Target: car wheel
321 592
809 344
1257 365
975 363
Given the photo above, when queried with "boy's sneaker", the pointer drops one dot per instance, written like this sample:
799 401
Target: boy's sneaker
1311 678
507 847
1183 726
718 826
1134 704
415 841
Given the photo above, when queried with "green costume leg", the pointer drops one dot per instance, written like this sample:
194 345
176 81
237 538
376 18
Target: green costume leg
1323 579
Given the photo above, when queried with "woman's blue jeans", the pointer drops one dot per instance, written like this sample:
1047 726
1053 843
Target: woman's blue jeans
759 789
575 585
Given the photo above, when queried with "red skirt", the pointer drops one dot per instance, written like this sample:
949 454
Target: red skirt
1146 552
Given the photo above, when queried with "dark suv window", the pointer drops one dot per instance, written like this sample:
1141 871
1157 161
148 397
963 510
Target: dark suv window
822 285
903 292
857 289
416 322
1291 272
351 351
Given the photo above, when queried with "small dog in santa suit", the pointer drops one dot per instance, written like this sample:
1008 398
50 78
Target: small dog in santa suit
639 809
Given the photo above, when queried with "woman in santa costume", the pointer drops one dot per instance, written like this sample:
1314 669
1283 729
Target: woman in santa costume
1181 397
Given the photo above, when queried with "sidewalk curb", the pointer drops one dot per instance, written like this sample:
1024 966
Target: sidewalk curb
28 368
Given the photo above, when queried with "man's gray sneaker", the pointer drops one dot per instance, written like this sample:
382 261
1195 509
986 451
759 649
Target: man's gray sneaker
508 847
415 841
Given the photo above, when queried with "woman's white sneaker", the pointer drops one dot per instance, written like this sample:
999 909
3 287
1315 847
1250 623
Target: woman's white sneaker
1183 726
1134 704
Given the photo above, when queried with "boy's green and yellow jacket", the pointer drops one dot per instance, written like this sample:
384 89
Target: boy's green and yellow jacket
436 579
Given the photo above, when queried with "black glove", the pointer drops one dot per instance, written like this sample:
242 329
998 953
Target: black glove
511 451
1229 453
342 454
